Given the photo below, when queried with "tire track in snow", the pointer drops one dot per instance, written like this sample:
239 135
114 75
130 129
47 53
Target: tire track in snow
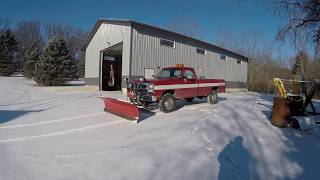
3 141
30 102
25 95
194 107
199 129
51 121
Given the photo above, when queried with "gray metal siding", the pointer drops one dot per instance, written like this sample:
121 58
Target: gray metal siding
148 53
106 36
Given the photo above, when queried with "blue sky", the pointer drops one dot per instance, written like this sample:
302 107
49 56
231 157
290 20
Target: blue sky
213 16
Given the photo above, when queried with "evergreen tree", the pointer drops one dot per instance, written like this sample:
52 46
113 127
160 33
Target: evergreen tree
81 67
301 61
33 54
8 48
56 64
80 59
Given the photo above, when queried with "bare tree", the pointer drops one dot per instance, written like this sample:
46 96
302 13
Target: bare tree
248 43
75 39
72 35
55 29
263 65
186 26
4 24
26 33
303 21
313 70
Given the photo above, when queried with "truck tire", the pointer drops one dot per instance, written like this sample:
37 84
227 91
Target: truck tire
212 98
167 103
189 99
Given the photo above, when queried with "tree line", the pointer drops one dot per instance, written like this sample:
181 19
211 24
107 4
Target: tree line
301 29
48 52
52 50
266 61
300 32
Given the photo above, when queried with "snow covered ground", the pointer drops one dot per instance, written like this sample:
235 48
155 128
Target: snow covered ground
47 135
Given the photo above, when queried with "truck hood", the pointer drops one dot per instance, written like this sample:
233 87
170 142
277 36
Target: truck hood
168 80
154 81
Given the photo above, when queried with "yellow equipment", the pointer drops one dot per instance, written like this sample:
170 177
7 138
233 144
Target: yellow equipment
280 87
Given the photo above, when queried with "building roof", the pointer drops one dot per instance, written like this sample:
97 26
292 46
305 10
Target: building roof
129 22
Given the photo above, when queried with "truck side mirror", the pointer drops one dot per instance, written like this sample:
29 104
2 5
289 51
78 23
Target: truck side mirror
126 80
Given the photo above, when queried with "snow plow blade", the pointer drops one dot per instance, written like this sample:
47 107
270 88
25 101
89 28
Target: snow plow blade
121 108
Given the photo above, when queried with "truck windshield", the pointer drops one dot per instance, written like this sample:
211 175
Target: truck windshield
168 73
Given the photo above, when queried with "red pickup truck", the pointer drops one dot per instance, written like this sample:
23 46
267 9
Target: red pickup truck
172 83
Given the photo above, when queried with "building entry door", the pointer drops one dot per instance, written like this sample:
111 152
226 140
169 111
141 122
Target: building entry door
111 74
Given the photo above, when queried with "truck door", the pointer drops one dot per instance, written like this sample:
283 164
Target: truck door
172 80
177 80
191 82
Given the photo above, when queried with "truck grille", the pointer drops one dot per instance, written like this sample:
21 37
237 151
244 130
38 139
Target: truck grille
134 87
140 89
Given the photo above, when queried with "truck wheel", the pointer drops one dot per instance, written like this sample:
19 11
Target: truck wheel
189 99
212 97
167 103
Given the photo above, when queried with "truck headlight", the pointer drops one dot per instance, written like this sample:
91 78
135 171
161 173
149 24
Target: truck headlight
150 88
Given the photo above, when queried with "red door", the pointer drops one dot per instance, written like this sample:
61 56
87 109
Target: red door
191 84
171 79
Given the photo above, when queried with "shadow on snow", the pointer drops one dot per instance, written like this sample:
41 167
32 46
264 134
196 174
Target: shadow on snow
6 115
234 160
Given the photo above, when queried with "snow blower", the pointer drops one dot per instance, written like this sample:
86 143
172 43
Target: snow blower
292 104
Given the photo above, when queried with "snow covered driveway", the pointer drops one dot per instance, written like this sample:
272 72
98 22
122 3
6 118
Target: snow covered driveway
46 135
